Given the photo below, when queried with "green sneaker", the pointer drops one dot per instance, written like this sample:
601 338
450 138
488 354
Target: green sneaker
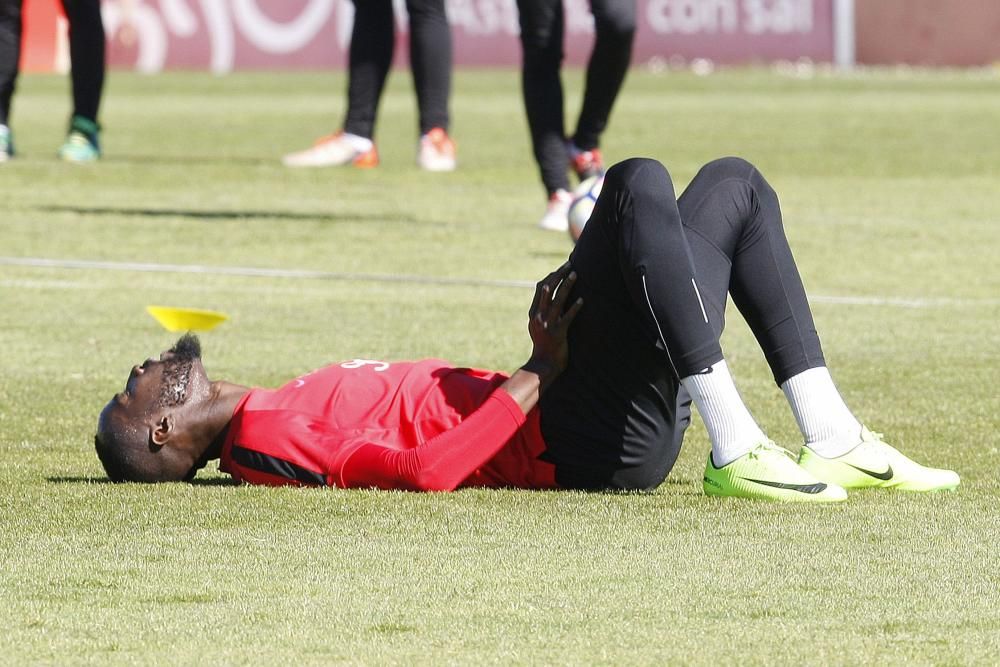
82 142
6 144
768 472
873 463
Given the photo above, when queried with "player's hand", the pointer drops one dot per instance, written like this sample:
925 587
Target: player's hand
549 319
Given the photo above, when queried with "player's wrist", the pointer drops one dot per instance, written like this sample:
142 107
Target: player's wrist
546 369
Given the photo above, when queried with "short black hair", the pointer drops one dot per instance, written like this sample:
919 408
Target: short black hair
119 466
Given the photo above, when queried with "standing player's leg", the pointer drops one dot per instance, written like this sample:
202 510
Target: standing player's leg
369 57
735 231
86 50
542 25
431 61
372 45
614 22
10 53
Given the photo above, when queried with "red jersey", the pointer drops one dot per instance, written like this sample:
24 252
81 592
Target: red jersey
412 425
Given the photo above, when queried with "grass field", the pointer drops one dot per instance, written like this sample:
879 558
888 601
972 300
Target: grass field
890 186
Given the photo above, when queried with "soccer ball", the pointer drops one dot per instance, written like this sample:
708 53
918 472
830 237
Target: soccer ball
584 197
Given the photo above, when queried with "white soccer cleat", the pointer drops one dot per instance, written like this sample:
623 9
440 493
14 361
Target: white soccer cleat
336 150
436 151
556 218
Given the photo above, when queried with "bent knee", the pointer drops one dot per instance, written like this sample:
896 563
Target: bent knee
638 175
733 167
738 169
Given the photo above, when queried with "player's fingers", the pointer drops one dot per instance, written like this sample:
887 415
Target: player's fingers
563 270
544 302
552 281
567 317
536 299
558 275
562 295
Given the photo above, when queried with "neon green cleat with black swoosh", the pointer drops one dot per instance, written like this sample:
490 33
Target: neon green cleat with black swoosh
875 464
768 472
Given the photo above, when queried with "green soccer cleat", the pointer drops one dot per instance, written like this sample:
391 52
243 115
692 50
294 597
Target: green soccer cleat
82 142
6 144
768 472
873 463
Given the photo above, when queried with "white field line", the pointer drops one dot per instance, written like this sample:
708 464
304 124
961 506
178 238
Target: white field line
145 267
247 271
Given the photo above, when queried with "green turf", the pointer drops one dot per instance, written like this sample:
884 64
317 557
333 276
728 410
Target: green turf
890 185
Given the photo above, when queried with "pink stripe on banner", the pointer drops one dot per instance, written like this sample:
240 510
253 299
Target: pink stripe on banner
285 34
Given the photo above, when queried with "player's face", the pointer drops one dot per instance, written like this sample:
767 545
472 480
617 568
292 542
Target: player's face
165 382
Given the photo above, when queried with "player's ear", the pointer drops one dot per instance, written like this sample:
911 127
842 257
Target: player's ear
163 428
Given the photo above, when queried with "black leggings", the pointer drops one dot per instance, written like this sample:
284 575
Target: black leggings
655 273
372 45
86 49
542 28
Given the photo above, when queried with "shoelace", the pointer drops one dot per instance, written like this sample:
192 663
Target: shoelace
875 437
872 441
769 446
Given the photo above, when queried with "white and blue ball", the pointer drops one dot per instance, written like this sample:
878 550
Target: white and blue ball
582 205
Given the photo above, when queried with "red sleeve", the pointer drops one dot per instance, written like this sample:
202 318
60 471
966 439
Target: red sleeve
441 463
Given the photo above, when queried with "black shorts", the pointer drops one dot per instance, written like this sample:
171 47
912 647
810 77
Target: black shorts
615 418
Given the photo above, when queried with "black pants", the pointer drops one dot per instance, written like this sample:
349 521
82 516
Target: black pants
542 28
655 274
372 45
86 50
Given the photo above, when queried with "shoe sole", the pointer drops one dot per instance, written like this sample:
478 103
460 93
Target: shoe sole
828 496
79 160
760 485
437 167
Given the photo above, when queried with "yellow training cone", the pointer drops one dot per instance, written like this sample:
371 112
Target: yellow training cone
186 319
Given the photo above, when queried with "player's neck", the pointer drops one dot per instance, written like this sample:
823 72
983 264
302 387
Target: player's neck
215 413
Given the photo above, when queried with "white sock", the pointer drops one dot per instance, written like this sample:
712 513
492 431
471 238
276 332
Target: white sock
731 427
359 143
827 424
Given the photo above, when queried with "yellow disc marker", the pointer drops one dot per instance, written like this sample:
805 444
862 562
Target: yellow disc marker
186 319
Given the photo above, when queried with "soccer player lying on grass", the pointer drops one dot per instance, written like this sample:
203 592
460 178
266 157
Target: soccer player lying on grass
625 335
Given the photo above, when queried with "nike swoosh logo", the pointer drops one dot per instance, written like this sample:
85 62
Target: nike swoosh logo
887 475
819 487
